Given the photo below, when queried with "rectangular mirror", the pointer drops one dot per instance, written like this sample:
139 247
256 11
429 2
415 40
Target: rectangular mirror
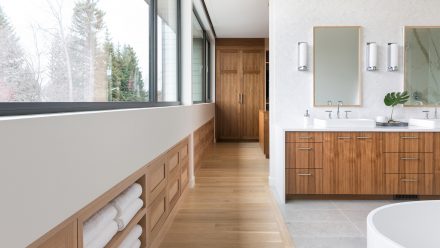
422 65
336 66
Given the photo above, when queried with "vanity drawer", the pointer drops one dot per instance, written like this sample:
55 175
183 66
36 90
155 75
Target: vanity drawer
304 181
304 155
409 163
409 184
408 142
304 137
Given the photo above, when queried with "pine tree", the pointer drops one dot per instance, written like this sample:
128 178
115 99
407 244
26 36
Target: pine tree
126 81
17 80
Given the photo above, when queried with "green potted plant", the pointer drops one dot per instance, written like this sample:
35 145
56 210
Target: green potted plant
393 99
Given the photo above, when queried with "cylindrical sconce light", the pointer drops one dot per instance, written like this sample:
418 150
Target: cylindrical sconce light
393 57
302 56
371 56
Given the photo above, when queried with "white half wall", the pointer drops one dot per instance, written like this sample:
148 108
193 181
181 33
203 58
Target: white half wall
292 91
54 165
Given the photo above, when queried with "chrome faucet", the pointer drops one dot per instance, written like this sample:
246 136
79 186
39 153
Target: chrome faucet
435 111
338 113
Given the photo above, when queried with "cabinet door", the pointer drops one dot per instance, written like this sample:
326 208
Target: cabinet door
228 94
251 92
369 169
338 163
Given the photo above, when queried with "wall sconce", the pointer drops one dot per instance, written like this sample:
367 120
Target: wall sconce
393 57
302 56
371 56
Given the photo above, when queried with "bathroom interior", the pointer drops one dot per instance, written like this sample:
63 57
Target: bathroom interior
220 123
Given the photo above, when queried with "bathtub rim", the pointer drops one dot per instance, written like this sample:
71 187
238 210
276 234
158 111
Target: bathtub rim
372 227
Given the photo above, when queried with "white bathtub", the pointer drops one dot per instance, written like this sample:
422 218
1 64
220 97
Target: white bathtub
409 225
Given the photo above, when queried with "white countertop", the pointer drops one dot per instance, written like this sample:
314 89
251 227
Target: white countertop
361 129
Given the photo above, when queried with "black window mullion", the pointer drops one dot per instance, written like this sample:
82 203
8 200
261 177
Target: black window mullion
153 51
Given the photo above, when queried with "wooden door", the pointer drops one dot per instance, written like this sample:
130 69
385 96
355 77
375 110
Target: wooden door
369 168
338 163
251 92
228 95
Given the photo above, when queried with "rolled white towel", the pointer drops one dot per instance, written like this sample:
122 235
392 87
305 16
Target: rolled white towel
104 237
122 201
129 213
136 244
95 224
131 238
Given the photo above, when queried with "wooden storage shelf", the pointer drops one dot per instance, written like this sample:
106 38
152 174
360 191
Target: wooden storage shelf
120 236
162 181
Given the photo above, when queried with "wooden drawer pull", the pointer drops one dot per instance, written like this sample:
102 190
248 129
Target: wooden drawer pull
305 174
344 137
363 137
408 180
305 137
305 148
409 137
409 158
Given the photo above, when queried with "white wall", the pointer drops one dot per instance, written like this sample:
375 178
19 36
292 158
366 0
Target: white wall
292 91
52 166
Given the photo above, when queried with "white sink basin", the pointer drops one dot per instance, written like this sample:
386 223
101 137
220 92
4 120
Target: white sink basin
329 123
427 123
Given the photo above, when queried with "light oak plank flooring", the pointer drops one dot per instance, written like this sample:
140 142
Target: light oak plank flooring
230 205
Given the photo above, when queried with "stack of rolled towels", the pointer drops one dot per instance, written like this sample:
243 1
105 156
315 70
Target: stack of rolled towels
99 229
132 239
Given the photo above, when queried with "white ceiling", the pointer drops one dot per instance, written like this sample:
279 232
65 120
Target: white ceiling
239 18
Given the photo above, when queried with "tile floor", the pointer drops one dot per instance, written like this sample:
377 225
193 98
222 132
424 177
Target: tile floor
329 223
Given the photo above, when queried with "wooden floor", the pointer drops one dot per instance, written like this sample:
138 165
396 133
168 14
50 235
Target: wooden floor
230 205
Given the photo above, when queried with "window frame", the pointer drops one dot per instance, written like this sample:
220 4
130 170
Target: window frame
33 108
206 83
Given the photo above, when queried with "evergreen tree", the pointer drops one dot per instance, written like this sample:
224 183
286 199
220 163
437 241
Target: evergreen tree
17 80
126 83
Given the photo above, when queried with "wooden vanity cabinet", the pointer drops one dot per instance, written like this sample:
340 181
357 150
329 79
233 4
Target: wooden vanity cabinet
362 163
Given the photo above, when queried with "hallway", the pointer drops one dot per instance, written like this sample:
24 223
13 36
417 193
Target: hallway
231 204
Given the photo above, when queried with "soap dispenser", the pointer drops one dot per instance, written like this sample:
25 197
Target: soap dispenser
307 119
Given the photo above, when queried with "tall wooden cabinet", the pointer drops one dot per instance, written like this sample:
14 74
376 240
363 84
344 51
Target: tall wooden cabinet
239 87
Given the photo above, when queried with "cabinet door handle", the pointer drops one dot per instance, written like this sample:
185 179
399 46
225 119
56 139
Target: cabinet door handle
344 137
363 137
409 137
304 174
239 98
242 98
409 158
408 180
305 148
305 137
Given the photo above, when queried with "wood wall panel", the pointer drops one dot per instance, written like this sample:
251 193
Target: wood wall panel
203 139
263 127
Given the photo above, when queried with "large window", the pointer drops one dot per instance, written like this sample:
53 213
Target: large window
70 55
200 62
